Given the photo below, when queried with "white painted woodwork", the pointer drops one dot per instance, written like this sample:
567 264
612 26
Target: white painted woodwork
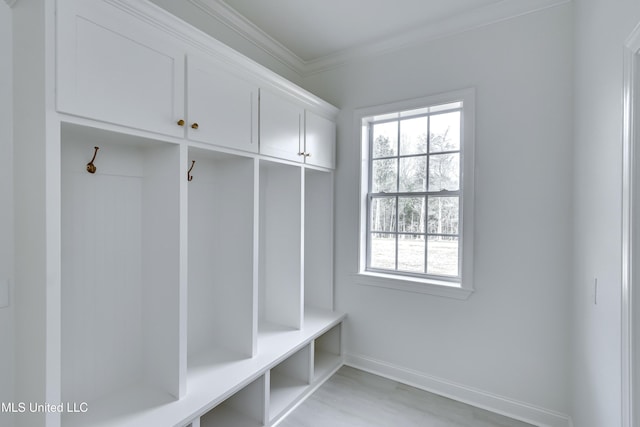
288 381
114 68
318 239
290 132
221 255
319 141
223 104
327 353
120 267
141 292
281 127
246 408
209 385
281 245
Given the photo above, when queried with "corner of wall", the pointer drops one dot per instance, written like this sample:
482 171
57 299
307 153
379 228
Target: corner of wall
6 210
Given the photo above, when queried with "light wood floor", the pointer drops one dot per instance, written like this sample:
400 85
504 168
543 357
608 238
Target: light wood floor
353 398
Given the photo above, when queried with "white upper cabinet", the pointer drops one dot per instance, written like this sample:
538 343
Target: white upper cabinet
281 127
115 68
320 141
222 107
290 132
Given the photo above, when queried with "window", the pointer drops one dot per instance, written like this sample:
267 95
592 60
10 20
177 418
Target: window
417 194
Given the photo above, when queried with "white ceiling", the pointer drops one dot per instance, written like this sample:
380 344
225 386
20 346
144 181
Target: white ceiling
312 35
315 29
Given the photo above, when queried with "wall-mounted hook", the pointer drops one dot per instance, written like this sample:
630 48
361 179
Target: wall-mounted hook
189 176
91 168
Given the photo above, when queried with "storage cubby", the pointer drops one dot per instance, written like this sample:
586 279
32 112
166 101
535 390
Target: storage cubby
281 246
246 408
318 239
121 269
222 258
288 381
327 353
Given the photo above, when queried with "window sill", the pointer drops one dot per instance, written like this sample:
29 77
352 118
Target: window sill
407 284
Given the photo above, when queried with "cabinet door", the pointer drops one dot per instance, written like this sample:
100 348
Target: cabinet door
116 68
320 141
280 127
223 107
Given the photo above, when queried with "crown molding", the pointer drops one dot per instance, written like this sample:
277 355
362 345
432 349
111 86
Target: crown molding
10 3
228 16
491 14
482 17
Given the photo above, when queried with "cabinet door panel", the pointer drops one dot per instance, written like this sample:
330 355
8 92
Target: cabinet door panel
224 105
280 127
125 72
320 140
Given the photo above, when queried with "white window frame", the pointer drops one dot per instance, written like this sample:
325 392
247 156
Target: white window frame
459 288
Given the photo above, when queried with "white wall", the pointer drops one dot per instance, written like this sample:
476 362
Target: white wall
601 29
6 206
511 337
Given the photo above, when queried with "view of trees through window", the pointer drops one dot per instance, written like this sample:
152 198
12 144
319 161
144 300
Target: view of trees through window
414 193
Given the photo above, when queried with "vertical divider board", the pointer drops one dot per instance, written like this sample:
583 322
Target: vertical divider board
281 246
318 240
221 288
246 408
288 381
120 269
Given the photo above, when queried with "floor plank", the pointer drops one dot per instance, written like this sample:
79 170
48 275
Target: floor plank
353 398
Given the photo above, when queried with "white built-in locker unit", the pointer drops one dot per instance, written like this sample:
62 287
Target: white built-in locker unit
189 276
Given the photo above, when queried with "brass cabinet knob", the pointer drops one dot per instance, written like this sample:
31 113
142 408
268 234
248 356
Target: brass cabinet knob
180 122
307 154
194 126
300 154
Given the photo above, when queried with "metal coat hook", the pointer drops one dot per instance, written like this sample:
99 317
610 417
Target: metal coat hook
189 176
91 168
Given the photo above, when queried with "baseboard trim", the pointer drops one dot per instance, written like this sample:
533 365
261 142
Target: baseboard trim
499 404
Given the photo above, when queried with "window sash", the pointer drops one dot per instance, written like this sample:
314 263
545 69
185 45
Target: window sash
417 194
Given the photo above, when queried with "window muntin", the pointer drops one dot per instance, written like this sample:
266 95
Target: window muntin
414 192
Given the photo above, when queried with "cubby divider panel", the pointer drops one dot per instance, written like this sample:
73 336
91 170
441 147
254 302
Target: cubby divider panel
281 245
120 268
222 282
